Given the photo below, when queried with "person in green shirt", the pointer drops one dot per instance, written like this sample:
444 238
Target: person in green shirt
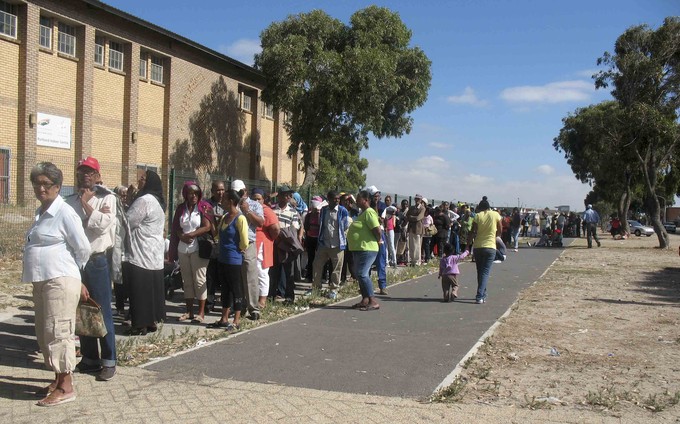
363 239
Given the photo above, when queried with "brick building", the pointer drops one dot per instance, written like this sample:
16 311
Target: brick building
79 78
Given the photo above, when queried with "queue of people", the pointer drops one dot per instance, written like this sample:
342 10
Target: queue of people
235 241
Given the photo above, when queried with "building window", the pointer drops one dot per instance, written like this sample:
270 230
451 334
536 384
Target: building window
45 32
287 117
142 65
99 50
246 102
4 175
268 110
67 39
157 69
8 19
115 56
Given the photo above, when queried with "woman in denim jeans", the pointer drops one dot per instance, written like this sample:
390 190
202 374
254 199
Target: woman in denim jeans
486 226
363 238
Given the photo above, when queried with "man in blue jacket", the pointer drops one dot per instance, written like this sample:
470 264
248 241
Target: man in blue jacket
333 224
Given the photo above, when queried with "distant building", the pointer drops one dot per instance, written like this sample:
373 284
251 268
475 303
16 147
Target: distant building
79 78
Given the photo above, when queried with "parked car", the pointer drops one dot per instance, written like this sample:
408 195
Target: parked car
638 229
670 227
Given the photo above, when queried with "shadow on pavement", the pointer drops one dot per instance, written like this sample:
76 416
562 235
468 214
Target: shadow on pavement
16 388
663 285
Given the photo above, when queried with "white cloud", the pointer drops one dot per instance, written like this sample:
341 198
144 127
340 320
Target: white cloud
242 50
546 169
444 179
437 145
467 98
554 92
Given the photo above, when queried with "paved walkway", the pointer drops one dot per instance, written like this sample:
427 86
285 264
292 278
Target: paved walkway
328 365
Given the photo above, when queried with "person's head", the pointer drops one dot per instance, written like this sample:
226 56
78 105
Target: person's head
141 179
483 205
46 179
231 200
333 198
240 187
515 210
388 200
217 190
589 207
404 203
418 199
257 194
131 194
445 206
87 172
448 249
285 195
364 200
191 193
122 192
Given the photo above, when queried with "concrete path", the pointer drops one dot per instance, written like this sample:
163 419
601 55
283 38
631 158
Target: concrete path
404 349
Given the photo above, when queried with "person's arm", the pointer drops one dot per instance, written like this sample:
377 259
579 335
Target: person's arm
499 228
203 229
254 217
473 233
103 219
242 228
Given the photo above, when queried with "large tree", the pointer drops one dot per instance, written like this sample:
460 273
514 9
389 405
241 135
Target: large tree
594 140
339 83
643 71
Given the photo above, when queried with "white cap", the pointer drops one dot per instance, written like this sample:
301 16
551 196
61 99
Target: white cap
372 190
237 185
425 200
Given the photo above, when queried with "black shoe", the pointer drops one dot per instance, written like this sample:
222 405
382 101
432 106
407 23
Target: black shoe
254 315
106 373
137 331
84 368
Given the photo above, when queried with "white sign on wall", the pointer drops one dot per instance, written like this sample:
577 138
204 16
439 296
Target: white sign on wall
54 131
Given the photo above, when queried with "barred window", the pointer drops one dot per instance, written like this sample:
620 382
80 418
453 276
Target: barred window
8 19
4 175
45 32
99 50
157 69
115 56
67 39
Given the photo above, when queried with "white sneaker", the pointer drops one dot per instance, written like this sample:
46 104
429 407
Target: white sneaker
515 250
497 261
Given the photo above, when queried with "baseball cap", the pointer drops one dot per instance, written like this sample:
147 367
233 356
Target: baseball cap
237 185
372 190
90 162
284 189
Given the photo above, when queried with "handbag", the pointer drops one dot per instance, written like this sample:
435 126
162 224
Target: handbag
90 320
207 248
430 230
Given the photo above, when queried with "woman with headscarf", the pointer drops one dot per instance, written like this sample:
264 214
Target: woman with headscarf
146 218
192 219
486 226
56 250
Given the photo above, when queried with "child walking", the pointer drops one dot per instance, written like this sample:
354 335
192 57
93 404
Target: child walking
448 272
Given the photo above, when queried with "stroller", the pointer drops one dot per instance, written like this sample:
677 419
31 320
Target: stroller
172 277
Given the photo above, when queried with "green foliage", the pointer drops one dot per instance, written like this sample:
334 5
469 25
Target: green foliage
341 82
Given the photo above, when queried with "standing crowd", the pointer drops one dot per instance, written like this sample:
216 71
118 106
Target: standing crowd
234 242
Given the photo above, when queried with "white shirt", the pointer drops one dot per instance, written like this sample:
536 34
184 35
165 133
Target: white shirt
189 222
147 221
56 244
101 227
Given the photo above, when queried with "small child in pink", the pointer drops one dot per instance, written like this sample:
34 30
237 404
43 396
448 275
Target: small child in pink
448 272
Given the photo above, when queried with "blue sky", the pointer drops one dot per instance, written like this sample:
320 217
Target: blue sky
504 74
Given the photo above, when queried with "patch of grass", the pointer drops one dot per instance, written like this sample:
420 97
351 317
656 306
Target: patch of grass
468 362
660 402
481 373
605 397
535 404
452 393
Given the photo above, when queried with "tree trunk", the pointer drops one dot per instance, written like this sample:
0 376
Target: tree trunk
310 174
624 205
653 208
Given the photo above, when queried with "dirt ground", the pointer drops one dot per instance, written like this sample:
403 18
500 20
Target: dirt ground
600 331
